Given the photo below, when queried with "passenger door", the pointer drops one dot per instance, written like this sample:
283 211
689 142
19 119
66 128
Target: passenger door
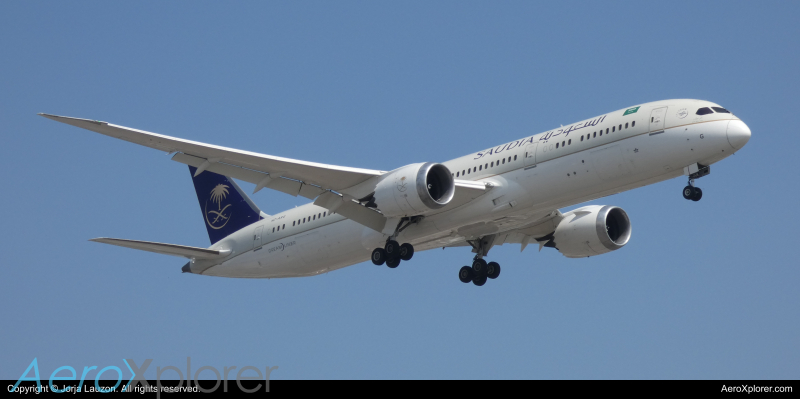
657 118
257 237
530 155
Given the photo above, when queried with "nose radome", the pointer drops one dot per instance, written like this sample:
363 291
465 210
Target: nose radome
738 134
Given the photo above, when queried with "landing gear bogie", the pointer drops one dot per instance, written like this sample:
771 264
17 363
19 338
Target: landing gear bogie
392 254
480 272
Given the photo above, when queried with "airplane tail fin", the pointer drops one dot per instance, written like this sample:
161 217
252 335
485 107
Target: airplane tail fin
226 208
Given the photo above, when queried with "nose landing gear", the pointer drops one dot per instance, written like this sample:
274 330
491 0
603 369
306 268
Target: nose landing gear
695 171
691 192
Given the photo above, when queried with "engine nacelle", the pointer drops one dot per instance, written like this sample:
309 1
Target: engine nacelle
414 189
592 230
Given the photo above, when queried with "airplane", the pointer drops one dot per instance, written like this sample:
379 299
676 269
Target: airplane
507 194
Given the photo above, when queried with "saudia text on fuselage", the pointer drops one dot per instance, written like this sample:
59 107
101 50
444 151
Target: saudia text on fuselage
547 136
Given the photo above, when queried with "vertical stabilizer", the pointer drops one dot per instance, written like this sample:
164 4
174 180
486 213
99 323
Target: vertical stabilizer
226 208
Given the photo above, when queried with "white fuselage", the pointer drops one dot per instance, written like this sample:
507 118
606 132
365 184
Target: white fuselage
530 177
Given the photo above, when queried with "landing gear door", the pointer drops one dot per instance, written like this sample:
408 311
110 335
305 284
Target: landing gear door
257 237
530 155
657 117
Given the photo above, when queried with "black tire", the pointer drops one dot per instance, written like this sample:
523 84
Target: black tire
698 193
479 268
378 256
392 263
479 280
688 192
406 251
392 249
492 270
465 274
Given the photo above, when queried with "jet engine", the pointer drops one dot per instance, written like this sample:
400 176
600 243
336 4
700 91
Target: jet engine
592 230
414 189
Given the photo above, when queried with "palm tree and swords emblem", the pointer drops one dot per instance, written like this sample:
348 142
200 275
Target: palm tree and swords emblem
218 193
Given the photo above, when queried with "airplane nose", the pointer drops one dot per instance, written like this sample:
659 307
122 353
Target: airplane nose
738 134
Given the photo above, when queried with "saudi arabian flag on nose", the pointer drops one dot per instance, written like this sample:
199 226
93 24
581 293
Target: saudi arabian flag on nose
630 111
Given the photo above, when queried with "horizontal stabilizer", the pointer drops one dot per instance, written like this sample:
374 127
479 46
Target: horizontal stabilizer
166 249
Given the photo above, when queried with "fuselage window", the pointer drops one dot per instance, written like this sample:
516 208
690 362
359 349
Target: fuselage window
563 143
324 214
480 167
626 125
595 134
569 142
556 145
606 130
509 159
703 111
633 123
284 226
293 222
492 164
515 157
314 217
581 137
721 110
613 128
504 161
620 126
273 229
601 132
304 220
486 166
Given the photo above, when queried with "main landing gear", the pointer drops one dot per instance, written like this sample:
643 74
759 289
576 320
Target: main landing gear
480 270
392 253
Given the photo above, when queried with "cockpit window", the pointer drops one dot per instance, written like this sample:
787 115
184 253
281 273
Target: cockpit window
721 110
704 111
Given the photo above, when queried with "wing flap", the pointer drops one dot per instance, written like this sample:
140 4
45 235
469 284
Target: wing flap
165 249
351 210
278 183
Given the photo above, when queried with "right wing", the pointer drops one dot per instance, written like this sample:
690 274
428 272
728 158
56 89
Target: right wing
283 174
328 184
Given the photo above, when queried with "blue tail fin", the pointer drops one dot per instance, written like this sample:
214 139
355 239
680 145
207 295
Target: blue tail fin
225 206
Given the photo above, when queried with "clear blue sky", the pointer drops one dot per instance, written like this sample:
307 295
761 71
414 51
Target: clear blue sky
703 290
